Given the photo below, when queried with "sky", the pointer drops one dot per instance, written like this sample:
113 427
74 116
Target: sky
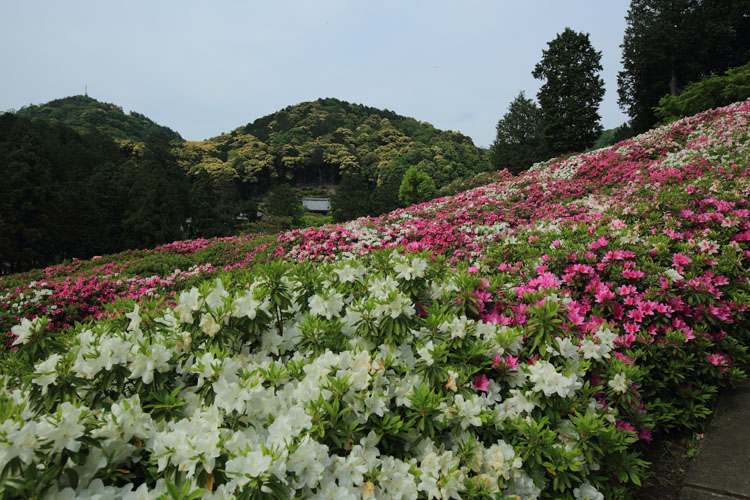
206 68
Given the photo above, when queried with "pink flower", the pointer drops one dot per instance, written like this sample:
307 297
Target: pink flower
630 274
511 362
498 360
631 327
481 383
720 360
624 426
679 259
645 434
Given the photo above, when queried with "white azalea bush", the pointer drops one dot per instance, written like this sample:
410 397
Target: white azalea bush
370 378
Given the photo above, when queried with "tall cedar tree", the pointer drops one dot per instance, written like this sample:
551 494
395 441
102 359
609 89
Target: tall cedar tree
572 92
520 140
669 44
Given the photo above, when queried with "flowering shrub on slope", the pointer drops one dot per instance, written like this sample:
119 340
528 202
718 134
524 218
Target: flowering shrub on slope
598 299
84 289
712 145
365 379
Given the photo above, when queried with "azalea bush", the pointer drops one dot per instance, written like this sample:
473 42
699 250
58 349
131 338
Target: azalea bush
525 339
82 290
373 378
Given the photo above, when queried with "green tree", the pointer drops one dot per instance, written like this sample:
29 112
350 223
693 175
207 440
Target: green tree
711 92
353 198
416 186
571 92
157 196
520 140
282 201
669 44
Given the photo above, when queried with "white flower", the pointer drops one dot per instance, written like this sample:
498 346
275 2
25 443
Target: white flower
187 443
468 410
188 302
600 351
398 306
567 348
244 467
63 428
209 325
381 287
246 305
349 274
606 336
308 462
514 406
156 357
708 246
587 492
287 427
410 270
215 299
673 275
25 330
47 372
135 318
546 379
501 458
457 327
395 481
425 352
22 441
329 305
619 383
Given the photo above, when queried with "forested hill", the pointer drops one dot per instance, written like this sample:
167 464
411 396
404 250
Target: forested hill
83 178
320 141
84 114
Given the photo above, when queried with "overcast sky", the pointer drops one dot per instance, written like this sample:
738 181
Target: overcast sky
204 68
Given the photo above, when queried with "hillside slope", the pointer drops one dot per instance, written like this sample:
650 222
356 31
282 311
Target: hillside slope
525 339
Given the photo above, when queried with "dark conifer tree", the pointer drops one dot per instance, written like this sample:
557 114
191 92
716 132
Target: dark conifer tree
520 137
571 92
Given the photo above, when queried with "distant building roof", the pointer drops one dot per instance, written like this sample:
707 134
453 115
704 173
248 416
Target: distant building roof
317 204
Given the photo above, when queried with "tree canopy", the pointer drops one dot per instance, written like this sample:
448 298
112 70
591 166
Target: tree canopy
571 93
85 114
520 136
712 92
669 44
416 186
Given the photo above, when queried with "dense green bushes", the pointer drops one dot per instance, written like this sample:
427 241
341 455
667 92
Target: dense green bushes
709 93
